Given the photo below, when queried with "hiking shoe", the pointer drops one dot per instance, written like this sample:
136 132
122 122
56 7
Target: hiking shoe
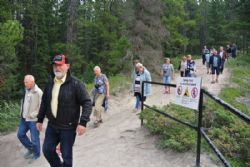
135 110
28 154
96 124
32 159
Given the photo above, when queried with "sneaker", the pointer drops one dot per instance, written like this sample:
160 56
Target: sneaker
28 154
96 124
100 121
212 82
135 110
32 159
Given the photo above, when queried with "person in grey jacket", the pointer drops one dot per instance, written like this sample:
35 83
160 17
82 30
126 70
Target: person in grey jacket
29 109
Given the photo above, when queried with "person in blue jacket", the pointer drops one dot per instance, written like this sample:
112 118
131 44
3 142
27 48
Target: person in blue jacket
215 64
142 74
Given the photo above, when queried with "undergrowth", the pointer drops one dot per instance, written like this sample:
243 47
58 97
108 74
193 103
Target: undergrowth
9 116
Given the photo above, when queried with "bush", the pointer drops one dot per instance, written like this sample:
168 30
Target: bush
9 116
172 135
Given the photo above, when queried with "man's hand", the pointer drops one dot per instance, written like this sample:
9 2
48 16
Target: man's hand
80 130
39 126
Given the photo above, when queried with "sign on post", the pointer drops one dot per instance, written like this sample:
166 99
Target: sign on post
188 92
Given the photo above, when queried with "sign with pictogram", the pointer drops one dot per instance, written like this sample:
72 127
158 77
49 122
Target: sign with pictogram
188 92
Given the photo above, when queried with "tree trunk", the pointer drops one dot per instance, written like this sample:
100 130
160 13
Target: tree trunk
71 25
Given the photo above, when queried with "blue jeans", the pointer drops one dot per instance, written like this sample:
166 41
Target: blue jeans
138 102
167 79
32 145
53 137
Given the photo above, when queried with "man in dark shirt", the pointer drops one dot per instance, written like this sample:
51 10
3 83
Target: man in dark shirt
63 97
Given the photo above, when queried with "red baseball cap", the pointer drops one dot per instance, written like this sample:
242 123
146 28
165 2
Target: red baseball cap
60 59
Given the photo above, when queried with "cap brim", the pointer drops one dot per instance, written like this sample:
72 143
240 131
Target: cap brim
58 62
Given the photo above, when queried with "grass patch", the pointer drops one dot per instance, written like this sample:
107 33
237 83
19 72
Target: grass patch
9 116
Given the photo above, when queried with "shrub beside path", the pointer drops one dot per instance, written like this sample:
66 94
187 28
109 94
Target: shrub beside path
120 141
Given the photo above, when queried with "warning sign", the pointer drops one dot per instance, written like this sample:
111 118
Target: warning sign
188 92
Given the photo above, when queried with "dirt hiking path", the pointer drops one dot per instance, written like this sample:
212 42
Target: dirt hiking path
120 141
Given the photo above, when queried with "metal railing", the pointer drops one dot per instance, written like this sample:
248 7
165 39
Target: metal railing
200 130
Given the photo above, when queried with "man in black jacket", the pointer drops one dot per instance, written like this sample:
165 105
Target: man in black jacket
63 96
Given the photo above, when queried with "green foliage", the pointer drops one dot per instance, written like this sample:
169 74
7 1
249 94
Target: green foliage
227 131
100 37
11 33
181 19
173 135
9 116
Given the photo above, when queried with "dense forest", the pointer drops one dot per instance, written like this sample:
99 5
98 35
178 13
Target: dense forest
110 33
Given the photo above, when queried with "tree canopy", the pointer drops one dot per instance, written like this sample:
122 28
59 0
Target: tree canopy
110 33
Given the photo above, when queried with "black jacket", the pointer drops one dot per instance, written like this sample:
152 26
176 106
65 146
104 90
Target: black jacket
72 95
211 60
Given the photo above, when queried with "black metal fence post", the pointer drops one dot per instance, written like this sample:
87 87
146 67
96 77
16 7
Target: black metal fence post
142 101
198 151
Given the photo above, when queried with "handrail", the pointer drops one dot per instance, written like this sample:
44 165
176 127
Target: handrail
173 118
232 109
215 149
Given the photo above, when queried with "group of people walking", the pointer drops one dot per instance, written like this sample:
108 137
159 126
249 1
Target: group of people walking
67 105
215 60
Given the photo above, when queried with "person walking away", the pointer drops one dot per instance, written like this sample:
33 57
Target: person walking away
191 67
101 91
183 66
229 51
234 50
167 72
204 52
207 56
63 97
29 109
141 75
223 56
215 63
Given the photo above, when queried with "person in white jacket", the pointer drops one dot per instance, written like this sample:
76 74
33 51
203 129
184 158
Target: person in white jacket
29 110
